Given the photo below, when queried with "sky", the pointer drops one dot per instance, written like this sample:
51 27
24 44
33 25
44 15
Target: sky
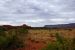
37 13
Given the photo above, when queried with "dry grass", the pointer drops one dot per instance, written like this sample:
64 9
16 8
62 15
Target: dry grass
49 34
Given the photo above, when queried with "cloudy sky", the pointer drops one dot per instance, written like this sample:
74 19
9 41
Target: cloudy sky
37 12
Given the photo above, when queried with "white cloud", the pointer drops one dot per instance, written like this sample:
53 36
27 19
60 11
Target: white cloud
57 20
31 20
35 21
5 22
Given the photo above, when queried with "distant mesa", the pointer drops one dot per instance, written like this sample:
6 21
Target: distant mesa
71 25
8 27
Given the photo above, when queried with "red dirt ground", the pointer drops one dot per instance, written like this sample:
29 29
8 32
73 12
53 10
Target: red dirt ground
33 45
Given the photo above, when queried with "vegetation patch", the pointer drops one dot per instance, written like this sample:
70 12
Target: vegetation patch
12 39
61 44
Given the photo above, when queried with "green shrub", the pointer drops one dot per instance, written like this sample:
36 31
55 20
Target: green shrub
50 47
13 40
22 31
2 31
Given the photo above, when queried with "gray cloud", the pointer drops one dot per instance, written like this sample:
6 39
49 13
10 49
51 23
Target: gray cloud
37 12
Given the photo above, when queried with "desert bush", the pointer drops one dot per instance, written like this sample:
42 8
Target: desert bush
13 40
50 47
2 31
56 45
22 31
